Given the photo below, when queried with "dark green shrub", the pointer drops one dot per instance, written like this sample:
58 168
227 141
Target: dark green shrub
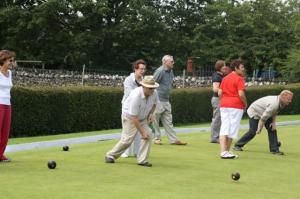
193 105
46 111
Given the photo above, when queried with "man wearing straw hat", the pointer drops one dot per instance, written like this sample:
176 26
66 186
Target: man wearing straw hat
137 113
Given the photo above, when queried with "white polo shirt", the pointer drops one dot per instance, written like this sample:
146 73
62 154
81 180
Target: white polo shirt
136 104
129 84
5 87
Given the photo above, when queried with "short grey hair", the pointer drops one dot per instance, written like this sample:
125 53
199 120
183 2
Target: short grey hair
166 57
286 92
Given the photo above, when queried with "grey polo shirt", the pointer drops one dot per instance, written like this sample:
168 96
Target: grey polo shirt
264 108
130 83
136 104
165 79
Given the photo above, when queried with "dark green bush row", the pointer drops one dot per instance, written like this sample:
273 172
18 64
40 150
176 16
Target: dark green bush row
193 105
46 111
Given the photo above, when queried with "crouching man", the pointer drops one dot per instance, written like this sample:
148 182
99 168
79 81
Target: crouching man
137 113
262 112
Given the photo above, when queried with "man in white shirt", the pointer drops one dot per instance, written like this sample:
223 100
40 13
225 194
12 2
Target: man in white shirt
263 112
137 113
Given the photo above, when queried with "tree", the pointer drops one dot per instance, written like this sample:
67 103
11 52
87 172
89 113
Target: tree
111 34
290 69
257 31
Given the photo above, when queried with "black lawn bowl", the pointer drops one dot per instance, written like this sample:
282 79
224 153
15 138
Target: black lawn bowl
51 164
66 148
235 176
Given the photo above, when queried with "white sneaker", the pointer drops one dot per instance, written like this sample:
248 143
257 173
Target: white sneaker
236 156
227 155
124 155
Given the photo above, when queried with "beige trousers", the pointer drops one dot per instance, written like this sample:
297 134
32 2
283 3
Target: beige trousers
216 119
128 133
163 113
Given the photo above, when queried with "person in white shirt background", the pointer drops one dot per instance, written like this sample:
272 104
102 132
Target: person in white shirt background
131 82
7 62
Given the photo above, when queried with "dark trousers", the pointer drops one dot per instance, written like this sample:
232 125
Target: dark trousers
253 124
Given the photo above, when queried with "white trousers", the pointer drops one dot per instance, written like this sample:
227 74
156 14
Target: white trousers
231 118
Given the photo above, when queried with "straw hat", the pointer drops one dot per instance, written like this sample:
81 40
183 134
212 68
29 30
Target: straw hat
149 82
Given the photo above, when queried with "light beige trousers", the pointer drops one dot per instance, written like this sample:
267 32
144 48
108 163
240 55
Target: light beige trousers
128 133
163 113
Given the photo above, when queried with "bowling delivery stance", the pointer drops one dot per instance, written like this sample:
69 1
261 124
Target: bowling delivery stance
263 112
137 113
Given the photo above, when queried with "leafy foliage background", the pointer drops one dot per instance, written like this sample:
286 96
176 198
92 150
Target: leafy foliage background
111 34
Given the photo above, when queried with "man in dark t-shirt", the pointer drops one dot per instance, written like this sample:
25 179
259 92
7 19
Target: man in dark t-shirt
216 119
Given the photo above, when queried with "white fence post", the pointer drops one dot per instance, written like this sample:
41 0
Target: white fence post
183 76
83 71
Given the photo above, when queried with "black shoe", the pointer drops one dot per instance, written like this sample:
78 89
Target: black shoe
215 141
145 164
109 160
237 148
279 144
277 152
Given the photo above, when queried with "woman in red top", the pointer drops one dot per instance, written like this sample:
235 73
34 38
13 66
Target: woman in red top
232 105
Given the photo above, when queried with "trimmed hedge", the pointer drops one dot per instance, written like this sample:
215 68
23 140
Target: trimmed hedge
193 105
48 110
45 110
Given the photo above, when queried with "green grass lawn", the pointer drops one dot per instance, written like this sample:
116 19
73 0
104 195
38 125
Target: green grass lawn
183 172
82 134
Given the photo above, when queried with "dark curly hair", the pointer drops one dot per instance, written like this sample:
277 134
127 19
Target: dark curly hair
235 64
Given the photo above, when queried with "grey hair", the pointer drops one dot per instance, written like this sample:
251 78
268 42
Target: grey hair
286 92
166 57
